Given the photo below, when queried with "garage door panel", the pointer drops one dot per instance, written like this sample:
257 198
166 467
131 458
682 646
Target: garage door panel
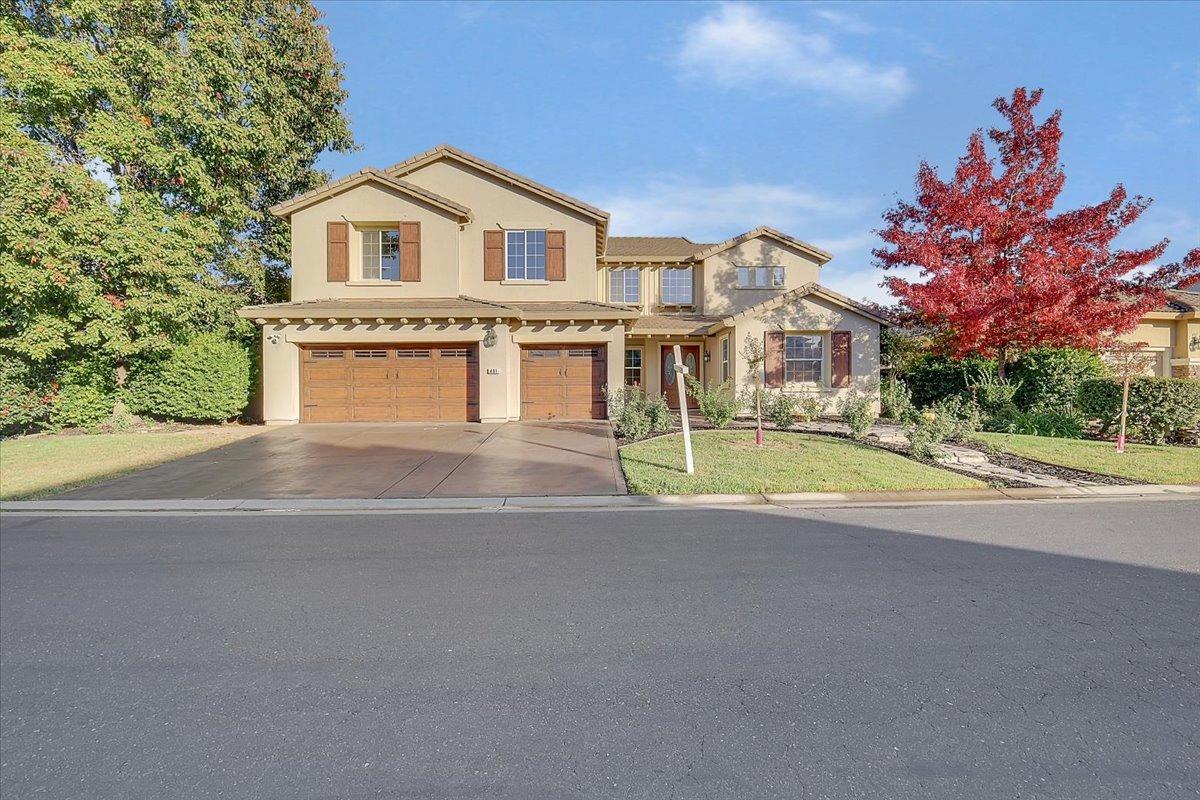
563 382
383 383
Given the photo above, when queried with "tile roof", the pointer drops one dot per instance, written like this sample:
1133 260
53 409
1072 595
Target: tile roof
683 324
443 150
799 292
652 247
368 174
435 307
1180 300
763 230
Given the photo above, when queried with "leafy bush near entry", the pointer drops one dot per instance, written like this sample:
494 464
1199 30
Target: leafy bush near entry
809 408
935 377
659 414
781 409
207 379
1158 407
24 397
855 410
1049 377
951 418
717 405
627 410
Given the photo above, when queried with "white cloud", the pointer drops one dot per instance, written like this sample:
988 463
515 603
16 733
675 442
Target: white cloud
847 22
738 45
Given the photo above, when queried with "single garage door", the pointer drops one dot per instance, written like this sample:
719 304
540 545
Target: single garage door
389 383
562 382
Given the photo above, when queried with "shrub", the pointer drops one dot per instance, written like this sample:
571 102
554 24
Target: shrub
24 397
896 401
627 410
1049 377
855 410
957 417
206 379
993 394
1158 407
924 434
717 405
80 405
659 414
934 377
1063 423
781 409
809 408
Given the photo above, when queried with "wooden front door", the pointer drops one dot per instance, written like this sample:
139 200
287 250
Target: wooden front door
563 382
691 360
389 383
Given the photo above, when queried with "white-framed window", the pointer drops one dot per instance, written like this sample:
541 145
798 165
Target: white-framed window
526 255
633 366
624 286
803 358
724 358
381 254
760 277
677 286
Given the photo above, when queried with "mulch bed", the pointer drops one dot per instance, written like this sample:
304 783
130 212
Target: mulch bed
1054 470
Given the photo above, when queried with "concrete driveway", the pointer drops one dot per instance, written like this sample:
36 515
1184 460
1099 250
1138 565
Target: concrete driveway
388 460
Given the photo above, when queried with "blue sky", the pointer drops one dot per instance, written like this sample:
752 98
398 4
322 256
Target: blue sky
707 119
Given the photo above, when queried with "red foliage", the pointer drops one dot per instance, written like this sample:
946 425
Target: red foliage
1000 272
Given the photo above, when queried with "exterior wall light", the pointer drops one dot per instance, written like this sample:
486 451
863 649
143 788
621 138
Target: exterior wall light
489 338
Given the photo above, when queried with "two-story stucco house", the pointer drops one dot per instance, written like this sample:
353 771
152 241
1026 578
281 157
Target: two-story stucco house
449 288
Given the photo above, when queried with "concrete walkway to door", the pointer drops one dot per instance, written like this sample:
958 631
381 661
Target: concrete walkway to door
367 460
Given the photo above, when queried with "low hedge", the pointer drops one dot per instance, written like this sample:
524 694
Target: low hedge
1049 377
205 380
1158 407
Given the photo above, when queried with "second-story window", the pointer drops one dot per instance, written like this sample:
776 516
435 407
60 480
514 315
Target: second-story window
381 255
526 255
677 286
760 277
624 286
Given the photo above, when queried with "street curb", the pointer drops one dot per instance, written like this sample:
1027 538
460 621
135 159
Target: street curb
782 500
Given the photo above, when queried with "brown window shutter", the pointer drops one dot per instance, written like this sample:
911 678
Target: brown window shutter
410 251
556 255
337 252
493 255
774 358
839 359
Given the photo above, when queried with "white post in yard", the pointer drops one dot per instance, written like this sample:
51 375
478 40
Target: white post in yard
681 372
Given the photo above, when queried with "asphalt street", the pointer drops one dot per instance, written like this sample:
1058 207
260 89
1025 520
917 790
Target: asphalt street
1000 650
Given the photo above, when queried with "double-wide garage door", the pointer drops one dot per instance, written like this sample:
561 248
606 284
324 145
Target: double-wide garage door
562 382
389 383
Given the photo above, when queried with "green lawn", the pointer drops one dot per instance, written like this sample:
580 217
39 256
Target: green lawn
33 466
1146 463
727 462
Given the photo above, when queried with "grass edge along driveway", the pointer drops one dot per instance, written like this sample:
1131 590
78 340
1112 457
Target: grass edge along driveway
1147 463
727 462
36 466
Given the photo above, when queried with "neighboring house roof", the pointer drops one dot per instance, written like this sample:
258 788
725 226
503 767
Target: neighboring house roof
674 324
370 175
651 248
807 290
770 233
1179 300
458 308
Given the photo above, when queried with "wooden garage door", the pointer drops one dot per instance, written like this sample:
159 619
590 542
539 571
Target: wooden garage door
389 383
562 382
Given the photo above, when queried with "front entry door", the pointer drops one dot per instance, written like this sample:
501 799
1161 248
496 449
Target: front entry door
691 360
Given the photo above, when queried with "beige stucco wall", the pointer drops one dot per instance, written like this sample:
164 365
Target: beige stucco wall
499 365
363 205
1166 339
717 280
497 205
814 315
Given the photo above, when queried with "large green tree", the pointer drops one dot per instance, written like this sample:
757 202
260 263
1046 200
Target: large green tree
141 144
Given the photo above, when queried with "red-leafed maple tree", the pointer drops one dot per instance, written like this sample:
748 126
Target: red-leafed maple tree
1000 271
